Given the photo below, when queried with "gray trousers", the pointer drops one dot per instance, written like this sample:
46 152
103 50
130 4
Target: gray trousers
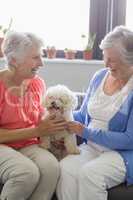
28 174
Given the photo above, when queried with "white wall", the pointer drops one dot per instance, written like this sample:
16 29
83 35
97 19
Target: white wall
76 74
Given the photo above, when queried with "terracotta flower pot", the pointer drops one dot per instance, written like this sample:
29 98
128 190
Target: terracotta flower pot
87 55
51 52
1 40
70 54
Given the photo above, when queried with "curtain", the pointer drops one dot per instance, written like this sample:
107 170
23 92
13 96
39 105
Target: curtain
104 16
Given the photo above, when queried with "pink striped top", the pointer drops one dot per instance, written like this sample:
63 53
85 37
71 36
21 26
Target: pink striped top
22 112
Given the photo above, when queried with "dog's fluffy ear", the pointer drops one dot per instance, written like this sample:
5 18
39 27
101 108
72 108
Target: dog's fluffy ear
74 101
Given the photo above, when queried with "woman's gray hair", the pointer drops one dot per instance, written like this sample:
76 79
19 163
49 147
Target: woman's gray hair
122 39
17 44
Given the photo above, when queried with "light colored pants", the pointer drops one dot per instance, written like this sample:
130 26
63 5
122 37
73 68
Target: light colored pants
30 173
88 176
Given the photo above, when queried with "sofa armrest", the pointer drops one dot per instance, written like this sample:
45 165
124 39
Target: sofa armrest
80 97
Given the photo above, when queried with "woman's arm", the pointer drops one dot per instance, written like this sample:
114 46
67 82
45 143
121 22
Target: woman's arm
7 135
111 139
46 127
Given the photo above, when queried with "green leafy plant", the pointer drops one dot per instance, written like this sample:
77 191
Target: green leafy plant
5 30
70 53
69 50
90 41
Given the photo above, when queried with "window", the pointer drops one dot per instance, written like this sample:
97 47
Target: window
59 22
129 11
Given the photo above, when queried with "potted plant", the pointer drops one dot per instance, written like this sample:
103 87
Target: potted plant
3 31
88 50
51 52
70 53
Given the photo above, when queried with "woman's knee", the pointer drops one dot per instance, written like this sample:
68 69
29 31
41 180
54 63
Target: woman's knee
17 167
21 181
50 168
69 165
27 173
91 176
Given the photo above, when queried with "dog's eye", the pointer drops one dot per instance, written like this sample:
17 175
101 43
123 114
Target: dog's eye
53 103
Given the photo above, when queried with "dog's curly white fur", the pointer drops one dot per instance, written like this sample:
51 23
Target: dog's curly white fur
64 101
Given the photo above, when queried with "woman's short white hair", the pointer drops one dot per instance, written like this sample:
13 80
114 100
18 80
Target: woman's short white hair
122 39
17 44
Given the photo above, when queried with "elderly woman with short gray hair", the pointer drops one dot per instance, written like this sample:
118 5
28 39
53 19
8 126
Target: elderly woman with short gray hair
105 121
26 170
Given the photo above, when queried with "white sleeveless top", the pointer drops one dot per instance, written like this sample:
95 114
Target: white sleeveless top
102 107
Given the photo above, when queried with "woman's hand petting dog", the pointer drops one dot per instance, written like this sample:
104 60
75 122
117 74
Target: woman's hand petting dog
50 125
75 127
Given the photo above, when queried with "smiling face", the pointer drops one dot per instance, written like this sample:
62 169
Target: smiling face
30 65
118 68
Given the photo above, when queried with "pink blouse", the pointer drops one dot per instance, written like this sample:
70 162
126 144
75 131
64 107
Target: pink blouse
25 111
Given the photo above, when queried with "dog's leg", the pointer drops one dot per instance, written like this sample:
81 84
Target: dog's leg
70 144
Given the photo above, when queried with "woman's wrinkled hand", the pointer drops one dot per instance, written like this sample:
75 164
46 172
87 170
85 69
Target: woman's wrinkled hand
51 125
75 127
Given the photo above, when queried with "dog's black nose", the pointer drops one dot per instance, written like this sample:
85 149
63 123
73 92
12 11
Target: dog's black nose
53 104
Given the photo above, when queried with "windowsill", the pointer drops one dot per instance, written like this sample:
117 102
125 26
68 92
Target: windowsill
72 61
65 61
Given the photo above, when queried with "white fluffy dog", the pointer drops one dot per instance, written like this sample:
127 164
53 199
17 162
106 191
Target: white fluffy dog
62 101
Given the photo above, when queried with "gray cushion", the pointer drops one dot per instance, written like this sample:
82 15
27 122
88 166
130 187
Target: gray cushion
121 192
